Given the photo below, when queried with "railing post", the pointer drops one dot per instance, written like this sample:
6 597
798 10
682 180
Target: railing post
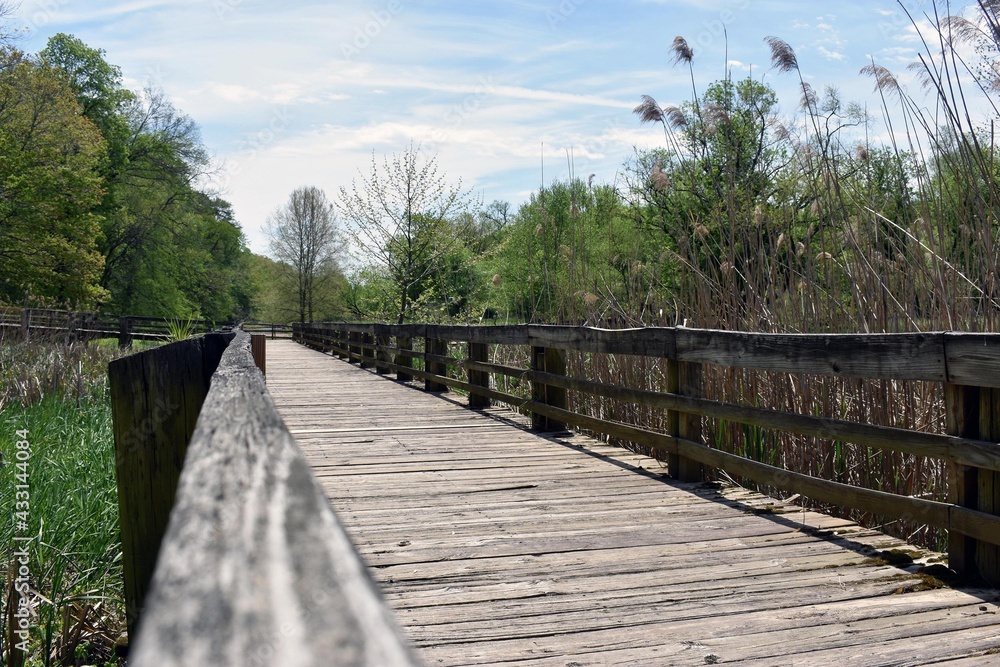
439 348
690 381
381 355
367 353
355 352
404 360
258 348
26 323
973 412
479 352
548 360
124 332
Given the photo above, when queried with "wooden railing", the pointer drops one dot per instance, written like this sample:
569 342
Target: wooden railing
231 553
967 365
271 329
80 326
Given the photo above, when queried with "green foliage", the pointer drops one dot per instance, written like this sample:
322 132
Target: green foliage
408 222
58 395
49 185
101 204
275 296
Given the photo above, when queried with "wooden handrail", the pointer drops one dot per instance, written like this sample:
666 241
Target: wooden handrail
254 568
967 365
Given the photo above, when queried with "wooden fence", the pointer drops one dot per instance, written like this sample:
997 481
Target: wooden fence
80 326
231 553
967 365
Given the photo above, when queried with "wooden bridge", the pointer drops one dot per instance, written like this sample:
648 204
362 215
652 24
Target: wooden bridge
499 539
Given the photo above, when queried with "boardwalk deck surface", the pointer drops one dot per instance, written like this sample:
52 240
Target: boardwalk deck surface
500 547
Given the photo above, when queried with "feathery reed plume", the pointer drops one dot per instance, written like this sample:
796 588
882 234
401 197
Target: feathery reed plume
682 52
885 80
809 96
782 56
675 117
923 73
649 111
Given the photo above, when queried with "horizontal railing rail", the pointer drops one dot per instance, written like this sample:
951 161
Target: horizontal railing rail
82 326
231 553
967 366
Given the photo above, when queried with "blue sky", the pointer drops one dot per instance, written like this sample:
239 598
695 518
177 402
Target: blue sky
301 92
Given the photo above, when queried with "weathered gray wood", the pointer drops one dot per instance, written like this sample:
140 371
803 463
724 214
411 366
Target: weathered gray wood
367 350
549 360
382 358
501 548
973 359
255 569
402 360
478 352
892 356
978 453
156 397
962 414
689 380
434 348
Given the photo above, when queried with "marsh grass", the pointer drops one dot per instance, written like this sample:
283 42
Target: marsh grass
58 394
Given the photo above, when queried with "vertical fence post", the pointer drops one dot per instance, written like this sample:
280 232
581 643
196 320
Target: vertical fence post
689 380
479 352
548 360
402 359
437 347
367 353
354 352
72 325
258 348
381 354
26 323
973 412
124 332
156 397
685 379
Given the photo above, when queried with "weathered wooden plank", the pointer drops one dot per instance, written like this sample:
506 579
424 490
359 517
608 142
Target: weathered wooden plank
890 356
973 359
156 397
648 341
964 450
277 580
493 565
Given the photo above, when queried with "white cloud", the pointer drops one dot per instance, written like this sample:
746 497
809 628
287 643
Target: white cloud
831 55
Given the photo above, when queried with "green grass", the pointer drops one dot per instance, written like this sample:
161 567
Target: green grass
57 396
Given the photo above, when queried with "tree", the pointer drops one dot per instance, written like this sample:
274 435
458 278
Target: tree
49 186
304 236
403 218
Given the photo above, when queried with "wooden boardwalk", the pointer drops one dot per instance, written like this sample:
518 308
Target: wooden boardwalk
499 547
